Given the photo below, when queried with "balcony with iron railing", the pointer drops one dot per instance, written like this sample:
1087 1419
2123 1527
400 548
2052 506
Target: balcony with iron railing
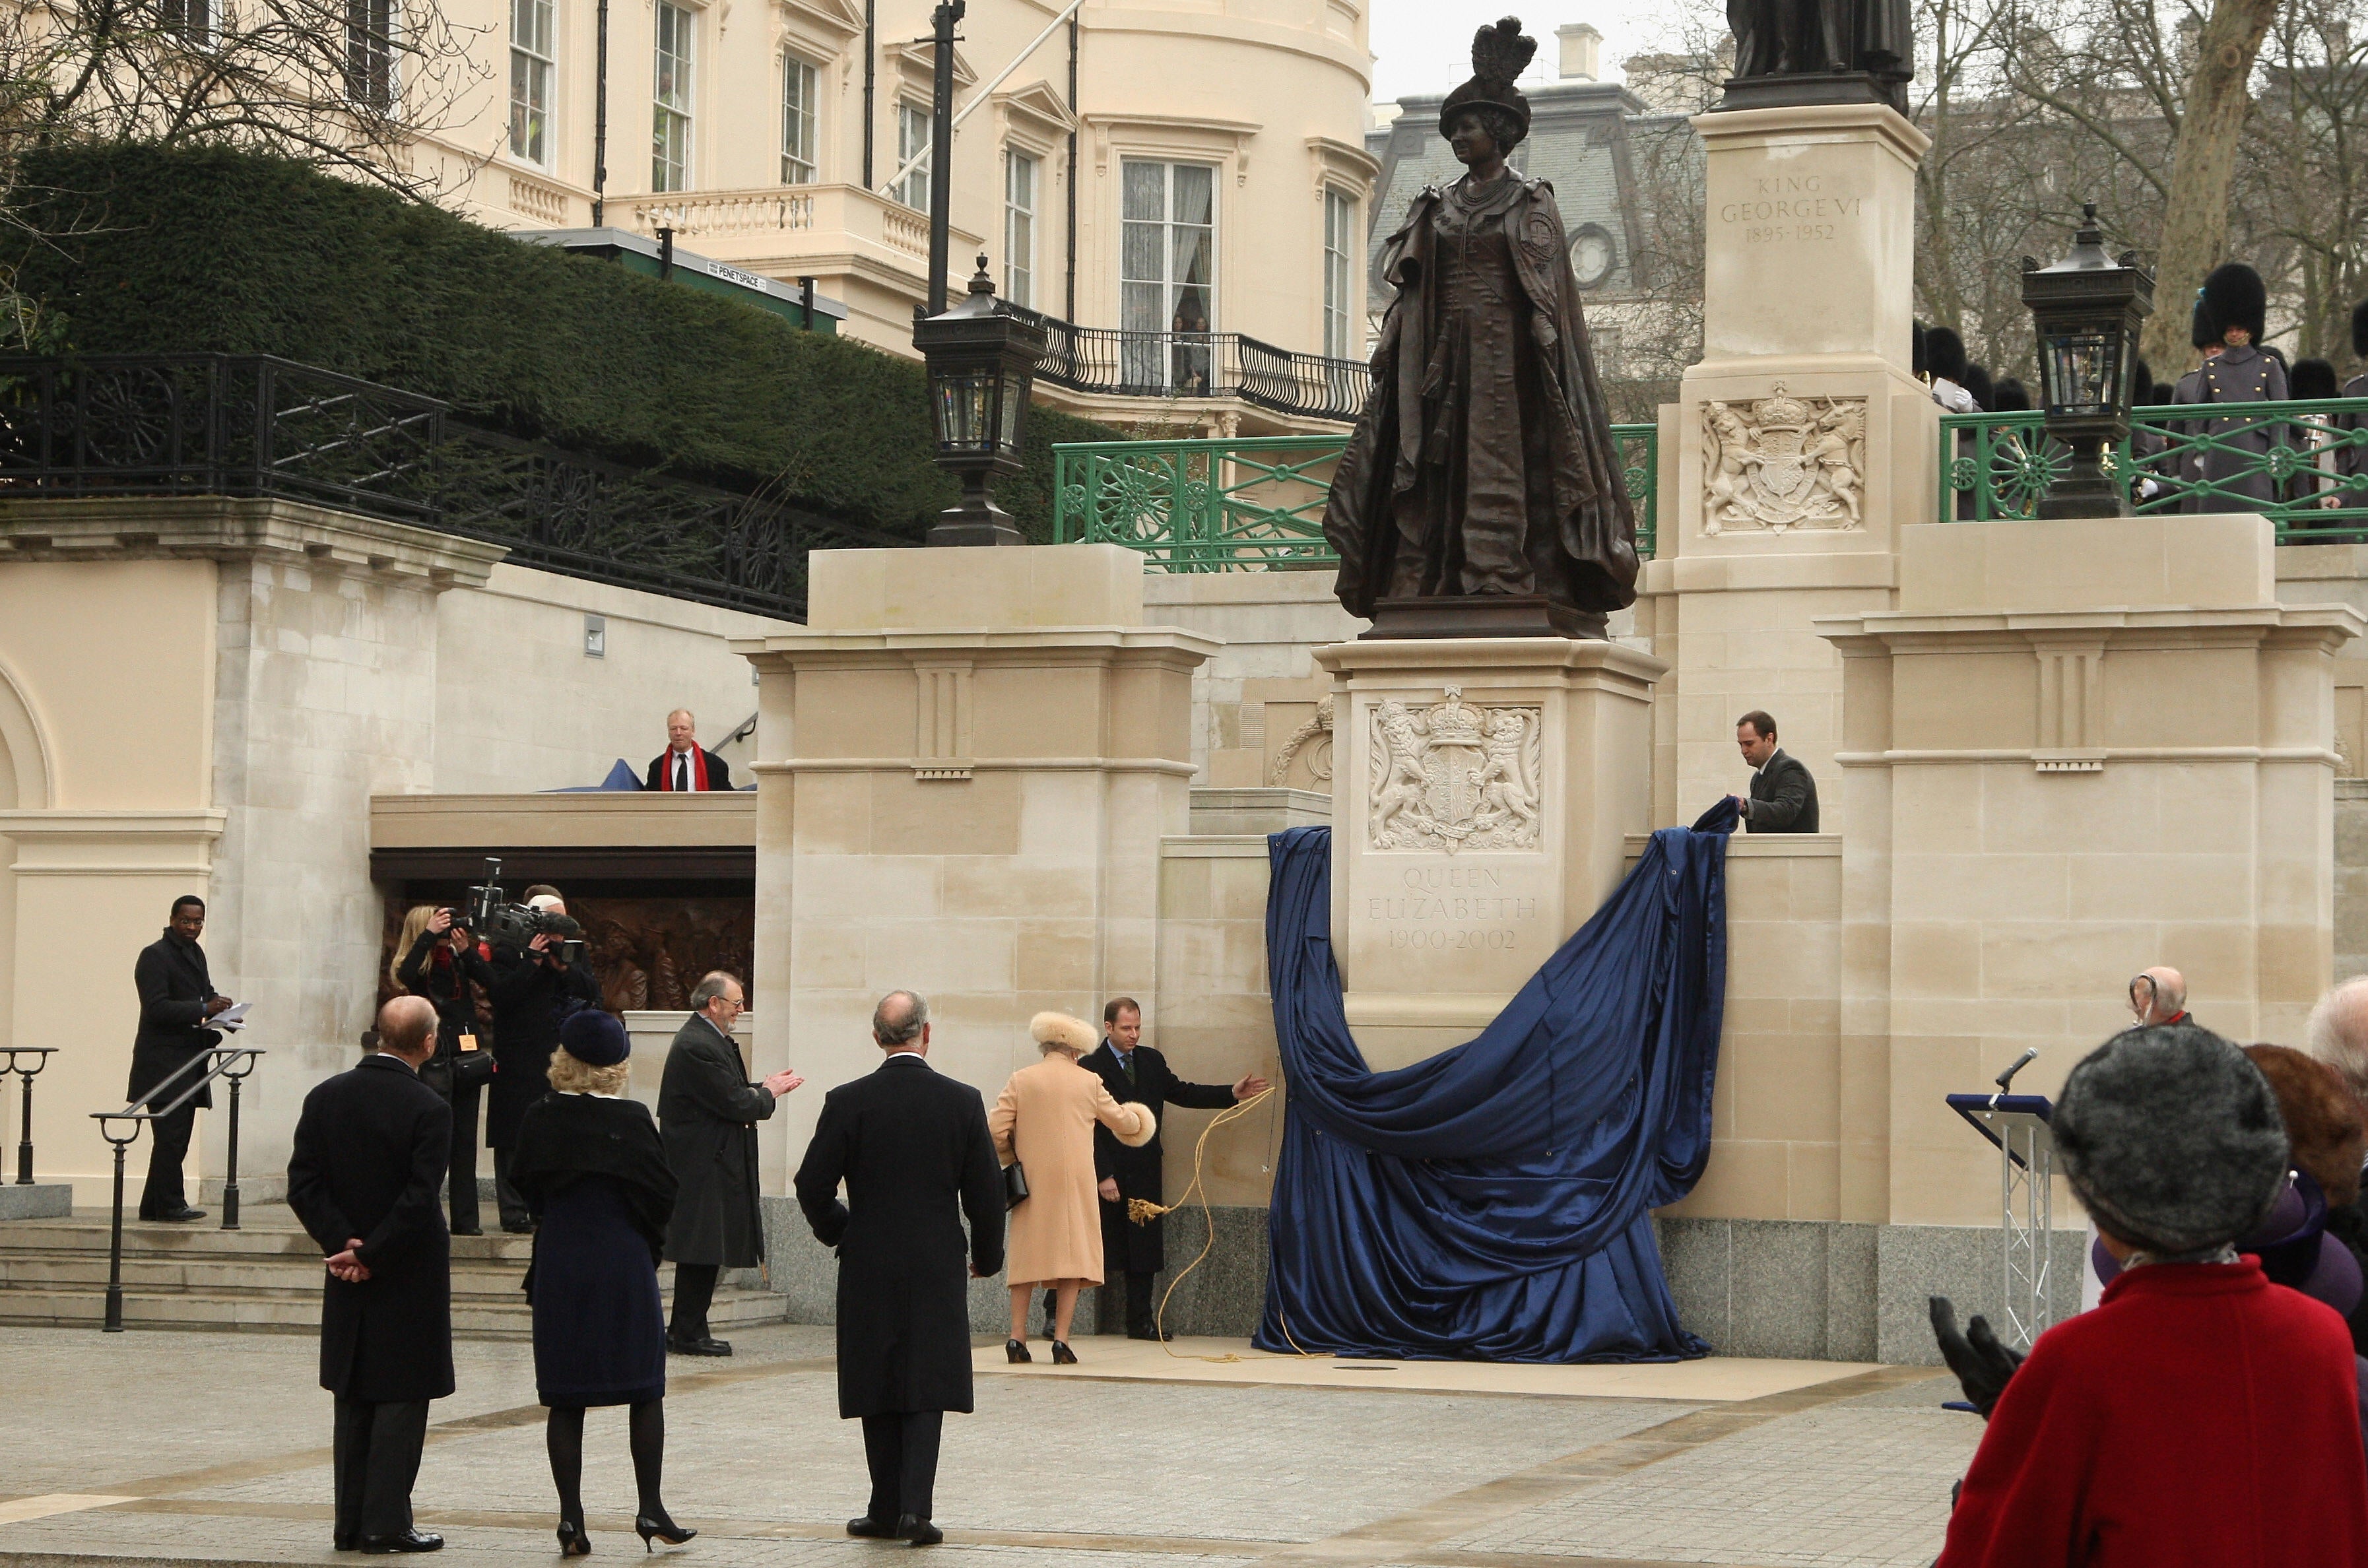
1119 363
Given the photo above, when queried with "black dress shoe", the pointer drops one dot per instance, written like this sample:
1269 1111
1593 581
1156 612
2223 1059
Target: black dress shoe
709 1345
519 1227
868 1528
1157 1334
472 1230
347 1543
409 1540
914 1531
182 1217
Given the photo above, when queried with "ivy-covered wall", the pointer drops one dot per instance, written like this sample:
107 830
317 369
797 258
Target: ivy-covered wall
155 250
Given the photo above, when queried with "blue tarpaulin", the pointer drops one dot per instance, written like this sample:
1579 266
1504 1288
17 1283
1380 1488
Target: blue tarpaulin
1494 1202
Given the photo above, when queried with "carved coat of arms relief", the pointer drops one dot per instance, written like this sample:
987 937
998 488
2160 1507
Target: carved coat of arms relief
1784 463
1454 777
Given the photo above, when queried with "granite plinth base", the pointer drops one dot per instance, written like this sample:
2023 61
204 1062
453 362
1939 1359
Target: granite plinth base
1810 87
1222 1298
41 1200
1481 615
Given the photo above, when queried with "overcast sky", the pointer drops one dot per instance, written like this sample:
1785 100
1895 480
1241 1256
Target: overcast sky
1425 45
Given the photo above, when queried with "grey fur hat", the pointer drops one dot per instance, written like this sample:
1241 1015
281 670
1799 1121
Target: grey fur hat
2172 1139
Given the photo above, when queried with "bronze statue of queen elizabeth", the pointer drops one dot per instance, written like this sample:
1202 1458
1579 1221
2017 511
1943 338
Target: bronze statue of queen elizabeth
1481 494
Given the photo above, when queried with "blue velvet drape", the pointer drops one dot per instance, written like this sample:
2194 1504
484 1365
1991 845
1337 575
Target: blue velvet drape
1493 1202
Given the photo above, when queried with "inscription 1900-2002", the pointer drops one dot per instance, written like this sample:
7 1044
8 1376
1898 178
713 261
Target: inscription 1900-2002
1791 207
1452 909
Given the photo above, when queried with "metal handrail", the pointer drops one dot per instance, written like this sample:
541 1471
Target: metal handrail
225 1058
2309 475
42 1054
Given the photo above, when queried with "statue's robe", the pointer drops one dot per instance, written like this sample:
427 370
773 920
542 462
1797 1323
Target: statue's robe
1484 461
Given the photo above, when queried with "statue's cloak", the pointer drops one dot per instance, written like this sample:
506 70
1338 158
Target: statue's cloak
1380 474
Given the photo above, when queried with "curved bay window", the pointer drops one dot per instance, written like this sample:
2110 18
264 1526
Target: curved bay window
1168 275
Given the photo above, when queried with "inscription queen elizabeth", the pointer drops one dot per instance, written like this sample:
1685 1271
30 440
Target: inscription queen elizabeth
1454 777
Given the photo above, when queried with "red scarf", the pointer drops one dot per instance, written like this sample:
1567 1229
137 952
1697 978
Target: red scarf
698 769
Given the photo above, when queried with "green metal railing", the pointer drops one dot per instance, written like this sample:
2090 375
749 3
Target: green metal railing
1248 503
2293 462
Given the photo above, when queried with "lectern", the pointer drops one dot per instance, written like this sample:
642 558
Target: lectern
2016 1125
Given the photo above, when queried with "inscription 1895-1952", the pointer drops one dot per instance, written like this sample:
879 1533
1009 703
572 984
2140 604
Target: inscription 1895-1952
1791 207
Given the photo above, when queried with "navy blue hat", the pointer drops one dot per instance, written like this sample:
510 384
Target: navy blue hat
596 1039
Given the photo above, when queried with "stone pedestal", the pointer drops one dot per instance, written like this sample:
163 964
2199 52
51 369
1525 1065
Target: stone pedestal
2075 749
1799 444
971 757
1482 788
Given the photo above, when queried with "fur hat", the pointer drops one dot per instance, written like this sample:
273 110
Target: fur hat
2009 396
1499 55
2360 329
2311 379
2325 1124
596 1039
1976 381
1915 348
2142 381
1068 1033
2235 295
2172 1139
1944 353
2202 333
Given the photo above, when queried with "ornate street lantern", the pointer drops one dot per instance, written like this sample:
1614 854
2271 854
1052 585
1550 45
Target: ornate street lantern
2088 308
981 365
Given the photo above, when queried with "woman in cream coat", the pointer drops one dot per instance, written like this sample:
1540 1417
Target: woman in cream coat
1044 1119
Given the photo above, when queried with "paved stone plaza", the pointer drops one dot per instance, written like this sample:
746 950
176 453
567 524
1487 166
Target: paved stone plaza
155 1446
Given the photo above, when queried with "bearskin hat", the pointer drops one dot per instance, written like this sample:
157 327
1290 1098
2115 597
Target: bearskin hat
2310 378
1499 55
1976 381
2235 295
1944 353
2360 329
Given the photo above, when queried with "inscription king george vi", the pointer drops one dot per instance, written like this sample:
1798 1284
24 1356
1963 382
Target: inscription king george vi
1783 462
1454 777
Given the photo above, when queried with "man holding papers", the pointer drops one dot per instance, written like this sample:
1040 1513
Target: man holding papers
177 1002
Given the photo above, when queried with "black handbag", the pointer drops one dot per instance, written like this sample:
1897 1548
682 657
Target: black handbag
473 1063
1015 1186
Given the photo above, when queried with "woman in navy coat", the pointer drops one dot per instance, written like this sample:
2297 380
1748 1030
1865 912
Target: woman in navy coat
592 1170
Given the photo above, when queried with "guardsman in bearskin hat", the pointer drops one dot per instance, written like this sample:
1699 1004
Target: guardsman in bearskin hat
2232 308
2353 460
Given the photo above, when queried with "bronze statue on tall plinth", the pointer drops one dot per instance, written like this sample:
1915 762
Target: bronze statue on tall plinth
1789 53
1481 494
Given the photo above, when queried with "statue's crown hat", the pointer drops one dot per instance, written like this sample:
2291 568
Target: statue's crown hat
1499 54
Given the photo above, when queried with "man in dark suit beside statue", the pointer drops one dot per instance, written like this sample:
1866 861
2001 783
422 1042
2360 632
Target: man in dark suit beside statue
366 1179
708 1111
1135 1073
1783 798
913 1149
176 1001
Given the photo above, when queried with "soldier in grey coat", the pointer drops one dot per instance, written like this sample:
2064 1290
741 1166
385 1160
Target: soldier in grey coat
2233 308
708 1112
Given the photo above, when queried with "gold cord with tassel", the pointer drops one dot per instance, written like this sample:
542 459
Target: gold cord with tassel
1141 1210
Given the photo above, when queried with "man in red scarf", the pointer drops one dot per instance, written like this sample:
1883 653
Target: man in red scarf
2199 1416
684 765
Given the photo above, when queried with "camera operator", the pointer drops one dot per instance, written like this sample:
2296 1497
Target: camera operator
438 958
534 986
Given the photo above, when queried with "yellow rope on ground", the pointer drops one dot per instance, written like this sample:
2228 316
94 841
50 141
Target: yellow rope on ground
1141 1210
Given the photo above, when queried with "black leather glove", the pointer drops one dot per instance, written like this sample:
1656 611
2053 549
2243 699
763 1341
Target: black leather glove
1983 1365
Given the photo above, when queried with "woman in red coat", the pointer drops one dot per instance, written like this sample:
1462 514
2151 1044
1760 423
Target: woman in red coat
2199 1416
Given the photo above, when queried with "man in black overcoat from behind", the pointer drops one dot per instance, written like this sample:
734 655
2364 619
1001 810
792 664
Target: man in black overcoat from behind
365 1179
708 1111
913 1148
1134 1072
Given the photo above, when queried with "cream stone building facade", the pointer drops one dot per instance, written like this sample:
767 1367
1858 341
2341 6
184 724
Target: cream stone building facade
1196 164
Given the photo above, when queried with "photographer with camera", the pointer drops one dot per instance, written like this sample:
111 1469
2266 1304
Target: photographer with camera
438 958
541 976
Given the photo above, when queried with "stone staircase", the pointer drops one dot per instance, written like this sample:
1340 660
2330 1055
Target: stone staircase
265 1278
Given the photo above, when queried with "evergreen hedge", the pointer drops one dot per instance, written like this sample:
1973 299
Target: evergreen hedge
156 250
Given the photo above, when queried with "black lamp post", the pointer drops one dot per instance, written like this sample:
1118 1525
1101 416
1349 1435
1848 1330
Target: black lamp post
981 365
2088 308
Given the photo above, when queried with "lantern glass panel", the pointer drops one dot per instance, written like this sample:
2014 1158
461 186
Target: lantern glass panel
2081 369
968 419
1009 435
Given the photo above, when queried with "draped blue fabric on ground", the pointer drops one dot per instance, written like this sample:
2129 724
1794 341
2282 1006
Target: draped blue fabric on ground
1493 1202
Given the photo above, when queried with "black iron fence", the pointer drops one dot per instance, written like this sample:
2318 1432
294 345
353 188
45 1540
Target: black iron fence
254 424
1197 364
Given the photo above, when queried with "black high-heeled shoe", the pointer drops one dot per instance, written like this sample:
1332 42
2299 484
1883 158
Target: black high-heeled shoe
1016 1351
573 1542
666 1529
1062 1355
